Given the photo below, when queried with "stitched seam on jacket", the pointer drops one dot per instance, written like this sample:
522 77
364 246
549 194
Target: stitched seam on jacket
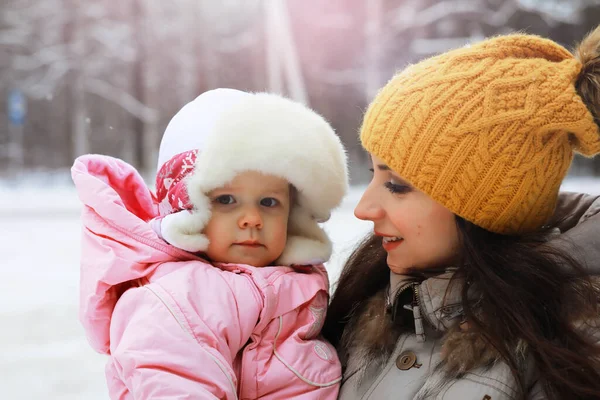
298 374
448 387
165 248
391 363
182 325
255 291
510 396
433 348
489 378
592 210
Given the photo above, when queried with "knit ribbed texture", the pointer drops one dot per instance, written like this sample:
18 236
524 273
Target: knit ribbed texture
487 130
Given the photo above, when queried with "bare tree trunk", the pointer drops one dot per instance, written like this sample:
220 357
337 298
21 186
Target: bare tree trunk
142 146
16 149
373 31
79 126
274 78
151 136
292 69
205 49
76 87
281 52
189 57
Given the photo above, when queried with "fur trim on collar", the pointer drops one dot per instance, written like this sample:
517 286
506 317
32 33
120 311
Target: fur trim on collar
371 336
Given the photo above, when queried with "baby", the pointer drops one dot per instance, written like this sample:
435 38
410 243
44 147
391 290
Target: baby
215 287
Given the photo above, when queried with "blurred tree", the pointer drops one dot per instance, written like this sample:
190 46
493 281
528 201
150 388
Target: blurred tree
106 76
77 51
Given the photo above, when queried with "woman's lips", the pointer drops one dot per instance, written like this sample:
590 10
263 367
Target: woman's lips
389 246
389 242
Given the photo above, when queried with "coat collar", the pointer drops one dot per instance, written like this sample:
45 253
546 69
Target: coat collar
437 300
440 300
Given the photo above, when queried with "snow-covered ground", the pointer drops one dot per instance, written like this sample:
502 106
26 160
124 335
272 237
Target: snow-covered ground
43 350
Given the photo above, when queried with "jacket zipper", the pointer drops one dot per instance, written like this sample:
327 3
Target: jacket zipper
393 303
415 307
417 314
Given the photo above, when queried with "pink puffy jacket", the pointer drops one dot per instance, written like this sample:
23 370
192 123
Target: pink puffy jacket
176 326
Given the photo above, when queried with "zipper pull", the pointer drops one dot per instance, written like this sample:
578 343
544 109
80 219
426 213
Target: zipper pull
419 328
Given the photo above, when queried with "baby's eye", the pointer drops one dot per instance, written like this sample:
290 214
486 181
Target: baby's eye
269 202
225 199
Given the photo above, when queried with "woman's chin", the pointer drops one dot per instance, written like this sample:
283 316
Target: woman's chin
398 268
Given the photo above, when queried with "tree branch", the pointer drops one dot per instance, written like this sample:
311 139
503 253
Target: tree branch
122 99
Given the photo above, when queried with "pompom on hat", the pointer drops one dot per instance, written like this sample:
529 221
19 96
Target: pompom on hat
224 132
487 130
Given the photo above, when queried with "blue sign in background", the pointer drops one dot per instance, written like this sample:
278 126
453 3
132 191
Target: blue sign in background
17 107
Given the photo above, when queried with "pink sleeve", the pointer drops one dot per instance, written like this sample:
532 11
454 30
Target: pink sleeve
156 355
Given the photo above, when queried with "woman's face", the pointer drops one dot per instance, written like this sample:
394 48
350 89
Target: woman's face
418 233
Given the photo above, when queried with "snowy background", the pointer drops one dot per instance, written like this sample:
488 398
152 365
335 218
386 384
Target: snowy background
43 351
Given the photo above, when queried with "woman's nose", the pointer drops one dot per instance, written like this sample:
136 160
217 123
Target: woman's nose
369 207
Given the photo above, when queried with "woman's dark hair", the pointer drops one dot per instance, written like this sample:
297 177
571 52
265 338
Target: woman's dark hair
366 273
528 293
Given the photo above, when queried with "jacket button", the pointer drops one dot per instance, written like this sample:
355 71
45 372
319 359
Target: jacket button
406 360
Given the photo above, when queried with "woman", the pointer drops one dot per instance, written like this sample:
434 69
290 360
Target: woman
464 291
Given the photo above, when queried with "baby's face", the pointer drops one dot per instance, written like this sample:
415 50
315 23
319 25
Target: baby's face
249 220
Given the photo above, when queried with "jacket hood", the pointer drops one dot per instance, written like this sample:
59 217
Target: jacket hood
119 247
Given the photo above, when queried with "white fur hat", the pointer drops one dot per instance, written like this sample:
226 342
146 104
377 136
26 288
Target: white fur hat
224 132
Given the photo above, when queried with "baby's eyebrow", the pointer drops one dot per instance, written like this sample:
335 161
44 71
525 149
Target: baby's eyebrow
237 190
277 191
383 167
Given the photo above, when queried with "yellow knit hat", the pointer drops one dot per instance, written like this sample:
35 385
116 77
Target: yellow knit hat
487 130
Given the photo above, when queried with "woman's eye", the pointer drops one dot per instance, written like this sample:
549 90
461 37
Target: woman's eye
397 187
225 199
269 202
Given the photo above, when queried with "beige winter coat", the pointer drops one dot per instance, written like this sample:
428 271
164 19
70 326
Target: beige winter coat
410 372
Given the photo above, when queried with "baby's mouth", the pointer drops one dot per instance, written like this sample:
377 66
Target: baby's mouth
250 243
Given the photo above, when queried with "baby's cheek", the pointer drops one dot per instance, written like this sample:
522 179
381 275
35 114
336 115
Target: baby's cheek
218 246
280 235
